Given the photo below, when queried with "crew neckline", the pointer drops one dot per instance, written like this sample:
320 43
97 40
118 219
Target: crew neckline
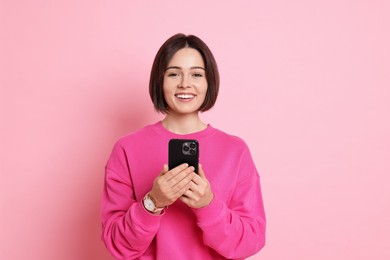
160 129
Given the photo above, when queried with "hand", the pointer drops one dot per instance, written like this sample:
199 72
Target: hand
172 184
199 194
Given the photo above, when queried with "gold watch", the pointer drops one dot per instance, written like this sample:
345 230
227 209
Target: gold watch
150 204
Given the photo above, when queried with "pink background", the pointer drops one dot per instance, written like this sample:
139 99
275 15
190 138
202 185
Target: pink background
305 83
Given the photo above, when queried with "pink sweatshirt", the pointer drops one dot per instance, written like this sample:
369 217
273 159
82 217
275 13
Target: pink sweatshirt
231 227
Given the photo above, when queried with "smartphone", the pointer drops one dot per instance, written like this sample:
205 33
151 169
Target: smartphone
183 151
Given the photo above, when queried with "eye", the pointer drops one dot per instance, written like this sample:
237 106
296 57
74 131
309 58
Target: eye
197 75
172 74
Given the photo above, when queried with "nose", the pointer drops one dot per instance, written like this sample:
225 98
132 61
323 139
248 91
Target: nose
185 81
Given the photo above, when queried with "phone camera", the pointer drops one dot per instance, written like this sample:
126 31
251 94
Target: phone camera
189 148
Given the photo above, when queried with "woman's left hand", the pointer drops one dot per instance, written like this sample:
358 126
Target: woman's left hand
199 194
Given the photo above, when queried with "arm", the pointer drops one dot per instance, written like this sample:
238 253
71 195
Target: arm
236 229
128 229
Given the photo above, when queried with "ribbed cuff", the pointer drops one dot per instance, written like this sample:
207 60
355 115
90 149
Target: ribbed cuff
211 213
144 218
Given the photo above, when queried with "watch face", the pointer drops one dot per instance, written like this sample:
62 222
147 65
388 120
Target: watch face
149 205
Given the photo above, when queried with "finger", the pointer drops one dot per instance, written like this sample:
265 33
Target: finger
173 172
184 184
197 180
189 200
164 170
175 187
187 193
201 177
181 188
191 188
185 200
201 172
182 175
191 195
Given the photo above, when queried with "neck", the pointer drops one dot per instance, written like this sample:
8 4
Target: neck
186 124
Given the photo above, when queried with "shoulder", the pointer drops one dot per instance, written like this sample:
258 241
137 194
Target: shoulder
134 138
228 140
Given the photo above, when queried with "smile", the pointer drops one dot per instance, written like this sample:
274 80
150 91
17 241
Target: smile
185 96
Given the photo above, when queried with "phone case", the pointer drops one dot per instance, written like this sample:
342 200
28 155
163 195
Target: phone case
183 151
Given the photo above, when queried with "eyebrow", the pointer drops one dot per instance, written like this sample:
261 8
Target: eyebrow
177 67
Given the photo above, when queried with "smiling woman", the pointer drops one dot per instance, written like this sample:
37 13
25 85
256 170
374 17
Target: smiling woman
163 64
185 86
217 210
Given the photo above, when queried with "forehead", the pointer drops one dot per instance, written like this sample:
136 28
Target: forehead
187 57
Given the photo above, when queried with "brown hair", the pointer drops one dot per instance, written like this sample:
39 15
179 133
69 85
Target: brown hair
163 57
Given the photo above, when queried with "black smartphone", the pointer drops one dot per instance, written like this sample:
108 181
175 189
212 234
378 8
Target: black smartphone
183 151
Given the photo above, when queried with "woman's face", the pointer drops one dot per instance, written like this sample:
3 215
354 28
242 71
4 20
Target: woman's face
185 83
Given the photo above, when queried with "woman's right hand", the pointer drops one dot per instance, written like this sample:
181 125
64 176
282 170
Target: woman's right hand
172 184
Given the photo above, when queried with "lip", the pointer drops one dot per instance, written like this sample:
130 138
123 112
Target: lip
185 96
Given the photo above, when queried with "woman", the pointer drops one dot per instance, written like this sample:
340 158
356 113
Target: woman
152 212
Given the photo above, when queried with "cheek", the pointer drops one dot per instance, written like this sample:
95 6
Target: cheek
169 85
166 88
204 88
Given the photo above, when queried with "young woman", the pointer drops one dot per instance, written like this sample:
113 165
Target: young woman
152 212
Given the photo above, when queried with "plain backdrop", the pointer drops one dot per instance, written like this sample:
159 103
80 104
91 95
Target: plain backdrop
305 83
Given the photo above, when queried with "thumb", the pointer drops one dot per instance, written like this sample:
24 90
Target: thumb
201 172
165 169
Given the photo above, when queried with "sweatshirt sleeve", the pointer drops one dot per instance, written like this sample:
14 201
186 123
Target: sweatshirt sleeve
236 229
127 228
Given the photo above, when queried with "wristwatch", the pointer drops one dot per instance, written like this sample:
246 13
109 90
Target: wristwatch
150 204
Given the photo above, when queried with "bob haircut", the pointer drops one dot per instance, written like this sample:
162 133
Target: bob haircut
160 64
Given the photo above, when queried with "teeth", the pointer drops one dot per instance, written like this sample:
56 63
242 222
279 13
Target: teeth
185 96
